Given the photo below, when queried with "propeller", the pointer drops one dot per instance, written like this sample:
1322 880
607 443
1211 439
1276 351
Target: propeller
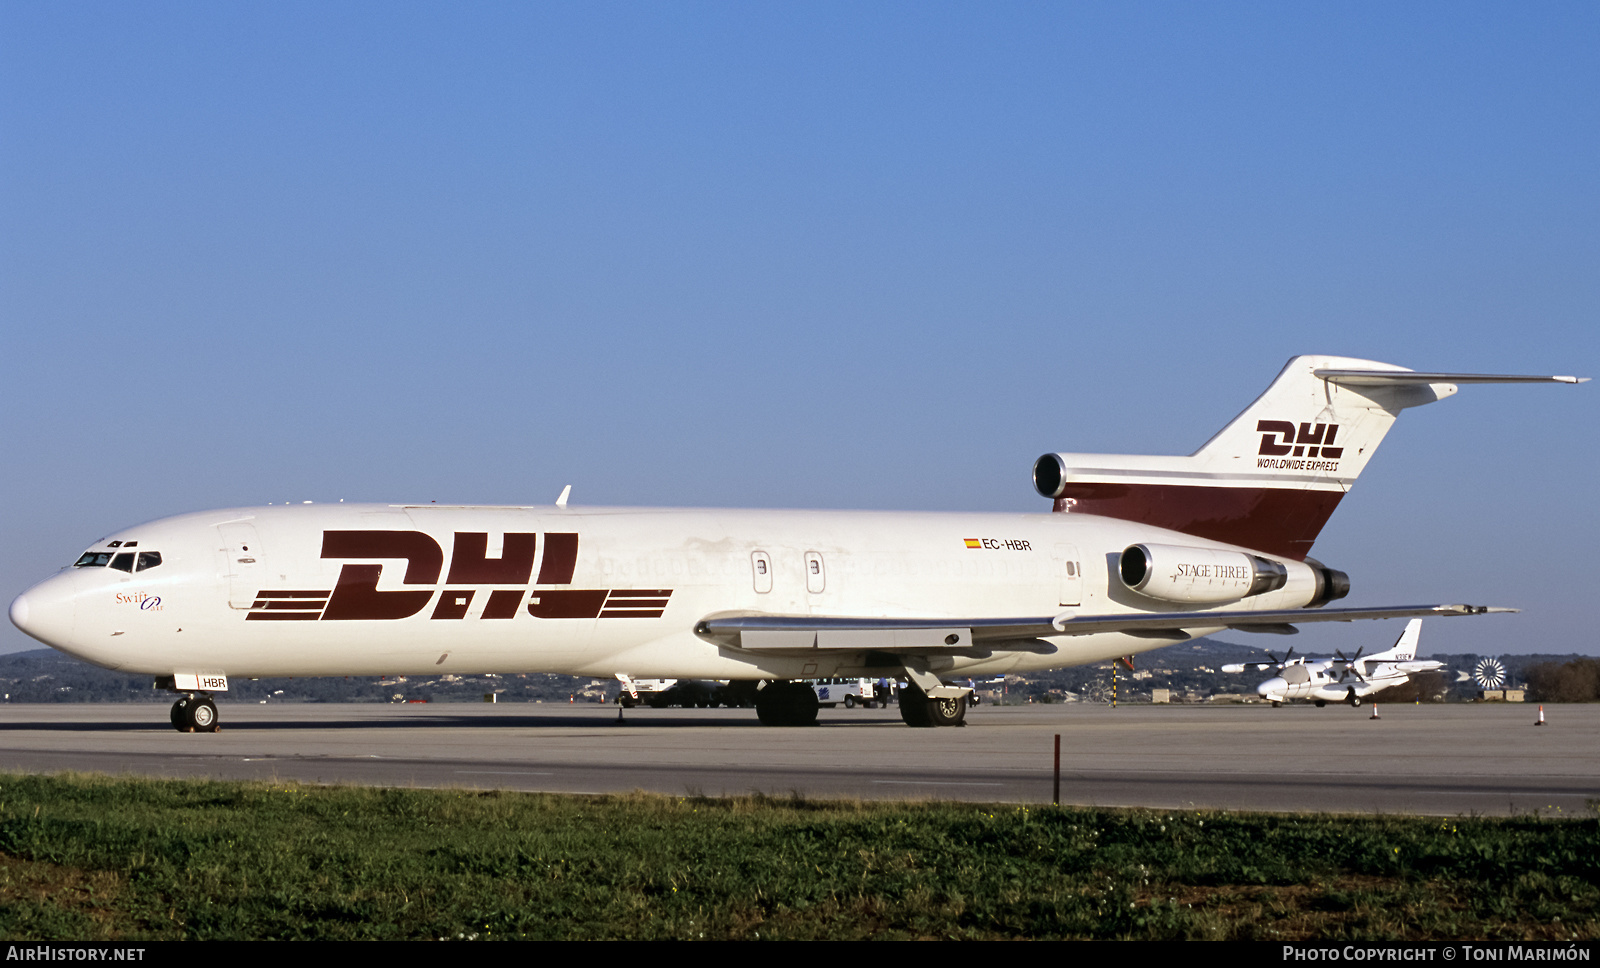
1351 665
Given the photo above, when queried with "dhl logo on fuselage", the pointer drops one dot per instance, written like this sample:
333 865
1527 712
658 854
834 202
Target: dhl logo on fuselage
356 596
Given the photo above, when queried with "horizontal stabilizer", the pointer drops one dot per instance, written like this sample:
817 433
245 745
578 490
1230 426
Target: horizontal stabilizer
1379 378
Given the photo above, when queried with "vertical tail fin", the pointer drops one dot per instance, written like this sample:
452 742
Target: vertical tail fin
1405 647
1273 476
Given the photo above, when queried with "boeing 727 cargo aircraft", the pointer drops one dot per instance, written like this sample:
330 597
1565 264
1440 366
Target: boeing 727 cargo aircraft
1140 552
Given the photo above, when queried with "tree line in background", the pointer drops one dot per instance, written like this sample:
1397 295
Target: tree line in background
1574 681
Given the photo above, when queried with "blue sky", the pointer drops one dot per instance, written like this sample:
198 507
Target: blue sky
807 255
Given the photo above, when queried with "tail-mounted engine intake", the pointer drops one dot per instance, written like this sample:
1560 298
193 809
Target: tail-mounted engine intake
1049 475
1172 573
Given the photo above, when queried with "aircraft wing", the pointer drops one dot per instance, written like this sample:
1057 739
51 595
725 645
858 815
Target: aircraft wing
1237 667
1421 665
788 634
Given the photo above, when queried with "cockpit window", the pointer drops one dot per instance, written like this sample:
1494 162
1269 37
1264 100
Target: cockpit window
122 561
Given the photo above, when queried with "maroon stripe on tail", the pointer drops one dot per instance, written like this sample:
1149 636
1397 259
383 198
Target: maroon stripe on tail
1279 521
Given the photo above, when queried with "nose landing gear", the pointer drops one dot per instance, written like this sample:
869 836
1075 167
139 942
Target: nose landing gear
194 714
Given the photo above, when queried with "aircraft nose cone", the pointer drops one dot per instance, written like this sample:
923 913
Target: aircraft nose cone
45 616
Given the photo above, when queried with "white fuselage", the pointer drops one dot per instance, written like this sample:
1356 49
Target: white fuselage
249 592
1321 680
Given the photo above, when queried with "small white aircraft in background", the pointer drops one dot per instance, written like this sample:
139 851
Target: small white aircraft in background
1327 680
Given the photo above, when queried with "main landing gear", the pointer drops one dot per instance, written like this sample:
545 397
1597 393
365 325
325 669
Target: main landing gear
918 710
1350 699
786 704
194 714
781 703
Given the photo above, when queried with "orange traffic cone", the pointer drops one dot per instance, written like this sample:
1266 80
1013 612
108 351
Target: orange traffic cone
1374 712
1540 720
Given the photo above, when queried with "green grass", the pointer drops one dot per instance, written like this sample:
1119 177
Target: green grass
87 858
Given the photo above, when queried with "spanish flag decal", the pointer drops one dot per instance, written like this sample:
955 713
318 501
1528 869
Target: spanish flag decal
973 543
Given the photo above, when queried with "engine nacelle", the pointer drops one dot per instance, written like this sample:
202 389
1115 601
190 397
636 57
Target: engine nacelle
1332 584
1174 573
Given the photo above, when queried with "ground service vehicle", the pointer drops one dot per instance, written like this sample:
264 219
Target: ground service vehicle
848 693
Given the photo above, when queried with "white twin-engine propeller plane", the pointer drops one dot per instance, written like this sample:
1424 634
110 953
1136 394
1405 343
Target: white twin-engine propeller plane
1140 553
1341 679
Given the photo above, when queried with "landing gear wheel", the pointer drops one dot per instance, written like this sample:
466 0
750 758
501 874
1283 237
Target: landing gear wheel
769 706
947 712
914 707
180 714
1355 702
787 704
202 716
1321 703
917 710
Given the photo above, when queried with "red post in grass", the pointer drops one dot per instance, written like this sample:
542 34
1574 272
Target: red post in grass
1055 797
